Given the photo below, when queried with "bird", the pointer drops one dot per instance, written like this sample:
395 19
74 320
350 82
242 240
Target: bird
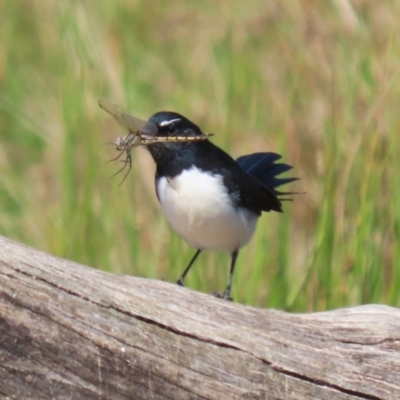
209 199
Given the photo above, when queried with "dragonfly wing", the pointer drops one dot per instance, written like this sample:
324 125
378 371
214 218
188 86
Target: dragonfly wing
115 111
132 124
135 125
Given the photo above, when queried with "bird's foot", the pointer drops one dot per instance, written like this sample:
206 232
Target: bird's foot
180 282
225 295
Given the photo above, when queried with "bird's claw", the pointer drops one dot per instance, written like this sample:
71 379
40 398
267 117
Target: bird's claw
224 296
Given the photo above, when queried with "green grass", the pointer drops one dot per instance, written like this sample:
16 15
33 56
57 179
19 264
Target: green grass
315 81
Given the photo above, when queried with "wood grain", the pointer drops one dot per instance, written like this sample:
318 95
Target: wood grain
71 332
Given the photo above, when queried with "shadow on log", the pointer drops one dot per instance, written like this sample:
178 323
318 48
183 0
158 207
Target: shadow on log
71 332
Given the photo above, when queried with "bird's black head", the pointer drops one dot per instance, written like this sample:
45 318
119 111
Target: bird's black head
173 124
172 156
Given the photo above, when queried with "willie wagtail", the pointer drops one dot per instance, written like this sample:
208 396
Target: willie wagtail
209 199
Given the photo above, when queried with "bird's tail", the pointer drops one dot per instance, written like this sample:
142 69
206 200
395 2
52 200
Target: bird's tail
262 166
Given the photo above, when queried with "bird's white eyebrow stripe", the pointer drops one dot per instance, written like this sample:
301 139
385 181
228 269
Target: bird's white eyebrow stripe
164 123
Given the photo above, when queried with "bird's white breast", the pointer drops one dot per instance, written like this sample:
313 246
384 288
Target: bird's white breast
197 206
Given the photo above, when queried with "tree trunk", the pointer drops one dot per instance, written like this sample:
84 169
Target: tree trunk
71 332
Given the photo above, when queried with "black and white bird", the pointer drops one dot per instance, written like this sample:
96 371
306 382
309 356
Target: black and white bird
209 199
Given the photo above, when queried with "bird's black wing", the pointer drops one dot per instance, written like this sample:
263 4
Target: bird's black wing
248 192
244 189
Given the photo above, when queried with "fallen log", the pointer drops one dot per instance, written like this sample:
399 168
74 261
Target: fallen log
71 332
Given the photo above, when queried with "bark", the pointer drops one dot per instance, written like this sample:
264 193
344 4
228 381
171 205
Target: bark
71 332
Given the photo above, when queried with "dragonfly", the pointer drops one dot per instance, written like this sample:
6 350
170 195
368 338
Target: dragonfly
140 133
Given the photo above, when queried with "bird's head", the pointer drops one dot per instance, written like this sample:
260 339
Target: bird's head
171 124
177 129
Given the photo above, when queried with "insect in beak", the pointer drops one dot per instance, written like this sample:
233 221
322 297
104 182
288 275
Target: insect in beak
140 133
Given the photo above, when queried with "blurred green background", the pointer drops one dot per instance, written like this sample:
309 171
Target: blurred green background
317 82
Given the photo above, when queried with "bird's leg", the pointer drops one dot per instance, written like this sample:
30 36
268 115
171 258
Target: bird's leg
227 294
180 280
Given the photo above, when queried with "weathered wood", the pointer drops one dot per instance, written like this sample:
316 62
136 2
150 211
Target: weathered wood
71 332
